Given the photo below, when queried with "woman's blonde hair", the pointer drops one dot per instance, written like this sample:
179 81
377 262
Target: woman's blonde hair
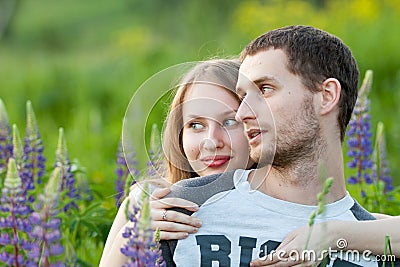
220 72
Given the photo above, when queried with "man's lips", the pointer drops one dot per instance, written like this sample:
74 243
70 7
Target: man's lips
254 135
215 161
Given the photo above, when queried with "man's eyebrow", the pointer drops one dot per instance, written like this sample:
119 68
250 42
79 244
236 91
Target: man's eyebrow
266 78
257 82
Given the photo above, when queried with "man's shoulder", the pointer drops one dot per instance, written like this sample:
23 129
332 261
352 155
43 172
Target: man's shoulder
200 189
360 213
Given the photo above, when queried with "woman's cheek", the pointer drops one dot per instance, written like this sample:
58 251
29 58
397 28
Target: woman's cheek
190 145
240 148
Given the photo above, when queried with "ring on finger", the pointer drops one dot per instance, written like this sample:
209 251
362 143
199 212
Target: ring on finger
164 215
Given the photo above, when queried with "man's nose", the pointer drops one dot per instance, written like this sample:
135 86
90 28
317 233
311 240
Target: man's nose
244 112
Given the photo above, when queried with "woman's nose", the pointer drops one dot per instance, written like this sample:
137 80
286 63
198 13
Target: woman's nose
215 138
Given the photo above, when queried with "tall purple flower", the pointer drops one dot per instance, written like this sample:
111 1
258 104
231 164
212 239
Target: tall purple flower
126 171
359 141
19 157
34 166
68 184
46 233
140 248
155 164
381 171
5 139
14 224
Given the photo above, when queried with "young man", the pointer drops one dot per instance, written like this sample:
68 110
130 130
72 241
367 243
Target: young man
308 80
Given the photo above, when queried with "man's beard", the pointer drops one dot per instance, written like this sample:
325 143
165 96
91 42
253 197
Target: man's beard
298 139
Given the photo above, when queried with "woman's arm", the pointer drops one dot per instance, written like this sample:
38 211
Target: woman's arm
380 216
370 235
118 224
176 225
359 235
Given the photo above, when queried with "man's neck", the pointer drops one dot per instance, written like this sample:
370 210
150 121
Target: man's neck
301 181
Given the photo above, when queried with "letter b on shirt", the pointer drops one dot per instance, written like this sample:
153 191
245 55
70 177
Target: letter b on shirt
208 255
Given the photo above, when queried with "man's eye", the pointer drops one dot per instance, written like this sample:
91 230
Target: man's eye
196 126
266 89
230 122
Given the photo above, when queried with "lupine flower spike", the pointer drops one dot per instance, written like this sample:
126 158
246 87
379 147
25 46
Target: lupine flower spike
141 249
34 167
5 140
14 224
155 164
46 232
321 197
126 171
18 149
359 142
68 183
381 171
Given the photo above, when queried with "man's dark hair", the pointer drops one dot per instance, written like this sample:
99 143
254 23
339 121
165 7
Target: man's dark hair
315 56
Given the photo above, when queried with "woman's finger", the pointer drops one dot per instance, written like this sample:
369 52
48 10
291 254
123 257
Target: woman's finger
173 235
167 203
174 216
159 193
173 227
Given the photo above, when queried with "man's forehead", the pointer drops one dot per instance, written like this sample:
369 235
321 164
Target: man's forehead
249 63
265 63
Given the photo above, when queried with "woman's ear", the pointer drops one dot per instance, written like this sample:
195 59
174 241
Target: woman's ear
330 93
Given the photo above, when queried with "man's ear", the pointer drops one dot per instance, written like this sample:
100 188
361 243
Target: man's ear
330 93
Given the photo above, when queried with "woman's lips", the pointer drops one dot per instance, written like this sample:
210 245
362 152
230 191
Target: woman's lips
215 161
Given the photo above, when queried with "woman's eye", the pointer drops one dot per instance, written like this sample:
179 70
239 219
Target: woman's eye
196 126
230 122
266 89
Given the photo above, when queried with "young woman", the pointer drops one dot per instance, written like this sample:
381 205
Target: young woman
201 137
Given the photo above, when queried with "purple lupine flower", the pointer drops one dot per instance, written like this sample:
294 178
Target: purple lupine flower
46 234
5 138
68 183
14 225
34 160
126 171
155 164
140 248
381 171
359 137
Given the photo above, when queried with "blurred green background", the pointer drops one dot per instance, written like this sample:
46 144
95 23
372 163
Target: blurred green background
80 62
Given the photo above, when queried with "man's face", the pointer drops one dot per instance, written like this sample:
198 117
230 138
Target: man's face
277 110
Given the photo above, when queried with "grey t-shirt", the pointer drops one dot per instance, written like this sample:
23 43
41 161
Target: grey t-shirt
240 224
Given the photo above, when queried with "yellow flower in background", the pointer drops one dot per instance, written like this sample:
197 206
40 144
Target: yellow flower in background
253 17
393 5
138 38
365 10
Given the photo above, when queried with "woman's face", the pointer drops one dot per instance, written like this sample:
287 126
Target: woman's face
213 141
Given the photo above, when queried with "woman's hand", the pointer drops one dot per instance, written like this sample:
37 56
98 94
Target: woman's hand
290 251
172 224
